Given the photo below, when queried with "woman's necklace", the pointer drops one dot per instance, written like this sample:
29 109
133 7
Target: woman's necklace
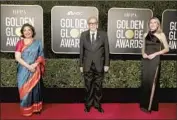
27 41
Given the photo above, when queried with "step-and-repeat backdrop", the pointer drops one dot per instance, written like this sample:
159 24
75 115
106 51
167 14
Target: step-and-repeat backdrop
126 27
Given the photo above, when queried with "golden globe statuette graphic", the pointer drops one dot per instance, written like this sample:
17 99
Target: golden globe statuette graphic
17 31
129 34
74 33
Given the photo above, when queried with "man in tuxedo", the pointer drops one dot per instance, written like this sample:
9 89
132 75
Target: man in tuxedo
94 61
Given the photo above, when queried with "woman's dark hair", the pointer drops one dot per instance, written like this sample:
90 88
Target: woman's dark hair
27 25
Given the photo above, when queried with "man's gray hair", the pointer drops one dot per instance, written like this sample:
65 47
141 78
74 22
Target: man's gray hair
92 17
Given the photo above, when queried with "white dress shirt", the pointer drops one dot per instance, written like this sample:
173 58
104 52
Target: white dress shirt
95 34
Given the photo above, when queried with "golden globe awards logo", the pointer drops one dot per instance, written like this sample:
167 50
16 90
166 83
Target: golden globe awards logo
169 22
173 35
67 24
71 30
13 17
129 33
126 27
13 26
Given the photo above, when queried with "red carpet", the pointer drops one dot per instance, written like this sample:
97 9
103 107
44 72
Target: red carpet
75 111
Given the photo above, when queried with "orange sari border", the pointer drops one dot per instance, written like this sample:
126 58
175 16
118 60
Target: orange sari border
30 84
24 47
28 111
41 60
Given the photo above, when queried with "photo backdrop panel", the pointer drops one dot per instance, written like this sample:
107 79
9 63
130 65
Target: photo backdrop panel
126 27
12 19
67 22
169 23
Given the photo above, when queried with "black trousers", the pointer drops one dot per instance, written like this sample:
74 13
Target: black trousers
93 86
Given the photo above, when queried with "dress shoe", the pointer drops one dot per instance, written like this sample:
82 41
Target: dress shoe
87 109
145 110
100 109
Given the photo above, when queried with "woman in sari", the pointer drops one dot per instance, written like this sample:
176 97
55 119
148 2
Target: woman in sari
30 68
154 40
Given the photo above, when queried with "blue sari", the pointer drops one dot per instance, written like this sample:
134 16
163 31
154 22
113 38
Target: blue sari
29 82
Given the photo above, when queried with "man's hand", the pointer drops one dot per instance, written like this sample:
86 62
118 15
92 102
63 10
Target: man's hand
81 69
106 68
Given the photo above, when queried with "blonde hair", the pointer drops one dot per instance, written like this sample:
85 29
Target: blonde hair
159 30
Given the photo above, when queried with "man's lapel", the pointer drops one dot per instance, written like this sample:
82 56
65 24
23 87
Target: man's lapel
88 37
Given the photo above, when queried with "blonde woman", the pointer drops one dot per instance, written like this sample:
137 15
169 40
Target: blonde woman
155 44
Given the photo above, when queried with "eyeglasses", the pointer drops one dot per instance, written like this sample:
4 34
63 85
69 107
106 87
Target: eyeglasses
94 23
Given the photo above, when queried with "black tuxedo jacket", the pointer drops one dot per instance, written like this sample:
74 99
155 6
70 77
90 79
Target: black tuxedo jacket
97 53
